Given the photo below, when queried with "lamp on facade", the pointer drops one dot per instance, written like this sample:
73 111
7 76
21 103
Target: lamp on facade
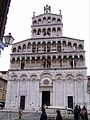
8 39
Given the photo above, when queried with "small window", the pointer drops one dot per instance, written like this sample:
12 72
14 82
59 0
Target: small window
81 57
24 47
58 20
29 45
64 43
39 20
19 48
53 44
14 50
22 65
34 31
13 60
80 46
53 19
33 60
49 18
54 59
69 44
65 59
74 45
34 22
39 32
53 29
58 29
18 60
44 18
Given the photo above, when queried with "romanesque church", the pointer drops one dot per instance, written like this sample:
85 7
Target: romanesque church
48 68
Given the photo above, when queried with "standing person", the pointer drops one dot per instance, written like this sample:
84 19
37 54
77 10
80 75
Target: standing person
59 116
20 113
76 113
79 112
84 114
79 109
43 115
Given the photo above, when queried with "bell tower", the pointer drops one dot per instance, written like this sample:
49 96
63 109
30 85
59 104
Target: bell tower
47 24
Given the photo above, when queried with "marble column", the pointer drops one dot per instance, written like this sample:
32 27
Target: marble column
64 91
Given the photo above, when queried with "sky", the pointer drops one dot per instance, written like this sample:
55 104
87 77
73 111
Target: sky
75 23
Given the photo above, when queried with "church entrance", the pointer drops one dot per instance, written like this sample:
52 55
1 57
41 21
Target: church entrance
22 102
46 98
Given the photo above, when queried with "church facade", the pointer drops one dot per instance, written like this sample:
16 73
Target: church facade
48 68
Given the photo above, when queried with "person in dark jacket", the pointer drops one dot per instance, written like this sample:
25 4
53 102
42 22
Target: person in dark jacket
43 115
76 113
59 116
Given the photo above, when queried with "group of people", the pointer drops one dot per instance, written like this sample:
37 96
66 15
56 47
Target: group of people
44 115
80 114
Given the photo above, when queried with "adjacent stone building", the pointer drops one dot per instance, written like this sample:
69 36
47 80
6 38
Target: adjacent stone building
3 87
48 68
88 89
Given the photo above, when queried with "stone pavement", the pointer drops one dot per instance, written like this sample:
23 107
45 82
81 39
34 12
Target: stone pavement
7 115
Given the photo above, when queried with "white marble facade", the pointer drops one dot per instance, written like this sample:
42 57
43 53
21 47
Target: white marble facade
48 68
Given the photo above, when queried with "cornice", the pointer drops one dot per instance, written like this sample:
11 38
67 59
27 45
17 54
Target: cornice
55 69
